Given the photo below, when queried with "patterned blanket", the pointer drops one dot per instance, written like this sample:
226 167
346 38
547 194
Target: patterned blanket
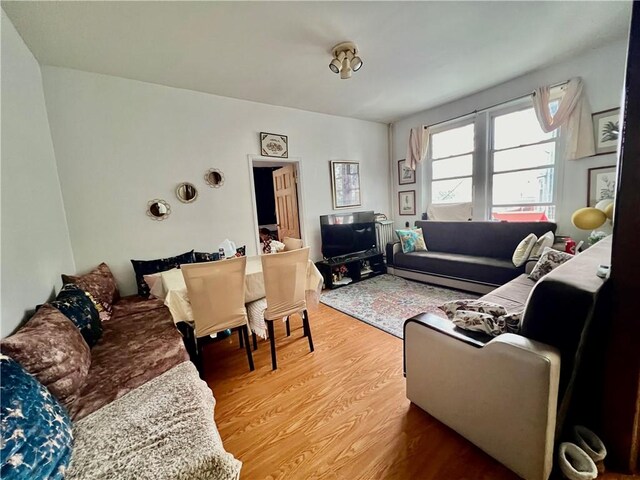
162 430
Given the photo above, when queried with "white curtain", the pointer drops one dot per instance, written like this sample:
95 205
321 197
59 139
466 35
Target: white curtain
418 146
573 113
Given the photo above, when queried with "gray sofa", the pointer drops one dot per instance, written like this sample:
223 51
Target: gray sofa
473 256
509 394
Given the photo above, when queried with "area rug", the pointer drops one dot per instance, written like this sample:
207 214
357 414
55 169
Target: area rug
387 301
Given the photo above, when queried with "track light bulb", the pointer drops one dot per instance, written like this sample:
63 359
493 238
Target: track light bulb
345 72
356 63
335 65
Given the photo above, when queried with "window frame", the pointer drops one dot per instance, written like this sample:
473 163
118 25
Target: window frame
482 158
452 125
512 107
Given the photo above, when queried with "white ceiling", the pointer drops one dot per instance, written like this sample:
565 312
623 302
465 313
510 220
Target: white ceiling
416 54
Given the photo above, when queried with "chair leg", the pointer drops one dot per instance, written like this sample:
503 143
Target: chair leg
288 325
272 341
307 328
255 340
240 337
199 356
245 334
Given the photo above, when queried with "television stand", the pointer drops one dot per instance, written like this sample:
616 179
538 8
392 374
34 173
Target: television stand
345 269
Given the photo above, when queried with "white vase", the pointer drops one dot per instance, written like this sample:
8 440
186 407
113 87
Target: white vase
574 463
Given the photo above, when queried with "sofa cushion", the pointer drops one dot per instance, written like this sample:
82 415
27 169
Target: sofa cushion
163 430
133 304
411 240
512 295
523 250
52 349
546 240
133 349
100 283
78 307
35 433
147 267
483 239
549 260
488 270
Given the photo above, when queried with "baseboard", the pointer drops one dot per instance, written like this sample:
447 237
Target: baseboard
456 283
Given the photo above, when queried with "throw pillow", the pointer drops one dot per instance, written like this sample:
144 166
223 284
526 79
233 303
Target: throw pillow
412 240
473 305
549 260
76 305
206 257
147 267
51 348
156 289
523 250
487 323
543 241
100 283
35 433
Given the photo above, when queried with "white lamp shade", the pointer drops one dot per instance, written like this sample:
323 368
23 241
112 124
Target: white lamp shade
356 63
603 204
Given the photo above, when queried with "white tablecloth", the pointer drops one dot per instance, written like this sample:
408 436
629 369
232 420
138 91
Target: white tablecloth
173 290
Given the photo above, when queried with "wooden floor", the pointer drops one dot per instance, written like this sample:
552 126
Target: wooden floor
337 413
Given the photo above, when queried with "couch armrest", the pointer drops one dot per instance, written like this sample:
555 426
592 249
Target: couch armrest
502 396
391 249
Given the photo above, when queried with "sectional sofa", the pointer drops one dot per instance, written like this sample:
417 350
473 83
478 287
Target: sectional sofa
473 256
137 406
510 394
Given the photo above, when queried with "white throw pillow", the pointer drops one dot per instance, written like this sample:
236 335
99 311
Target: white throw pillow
543 241
523 250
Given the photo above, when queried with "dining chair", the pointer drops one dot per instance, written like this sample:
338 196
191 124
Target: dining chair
285 276
291 243
216 291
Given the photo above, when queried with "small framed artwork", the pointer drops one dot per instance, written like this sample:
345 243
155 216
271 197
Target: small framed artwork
406 174
606 127
601 184
345 184
407 202
274 145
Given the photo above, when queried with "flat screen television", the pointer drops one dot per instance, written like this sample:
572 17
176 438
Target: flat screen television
345 233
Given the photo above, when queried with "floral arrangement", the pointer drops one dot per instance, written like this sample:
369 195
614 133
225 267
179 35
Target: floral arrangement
596 236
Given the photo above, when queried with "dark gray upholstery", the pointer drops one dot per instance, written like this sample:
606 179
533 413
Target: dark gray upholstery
494 271
476 252
482 239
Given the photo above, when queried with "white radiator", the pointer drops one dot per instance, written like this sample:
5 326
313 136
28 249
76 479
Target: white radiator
384 234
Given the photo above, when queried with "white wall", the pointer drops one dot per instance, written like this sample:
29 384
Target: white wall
120 143
602 71
35 241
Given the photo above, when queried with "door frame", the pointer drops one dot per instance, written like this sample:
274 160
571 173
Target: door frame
297 162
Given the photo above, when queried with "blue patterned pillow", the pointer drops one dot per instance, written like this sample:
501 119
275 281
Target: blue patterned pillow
148 267
35 431
76 305
412 240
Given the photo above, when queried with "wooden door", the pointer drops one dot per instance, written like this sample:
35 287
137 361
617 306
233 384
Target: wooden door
285 191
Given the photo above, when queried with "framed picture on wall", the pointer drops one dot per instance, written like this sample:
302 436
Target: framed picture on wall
601 184
606 127
274 145
345 184
407 202
406 174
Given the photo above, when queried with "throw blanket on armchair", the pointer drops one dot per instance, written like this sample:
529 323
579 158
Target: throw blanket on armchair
161 430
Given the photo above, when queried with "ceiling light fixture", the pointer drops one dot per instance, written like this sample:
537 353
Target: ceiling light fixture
345 59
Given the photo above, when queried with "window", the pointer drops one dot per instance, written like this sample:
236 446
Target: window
500 160
452 165
522 164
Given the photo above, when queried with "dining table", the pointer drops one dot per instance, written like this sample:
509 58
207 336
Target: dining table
173 290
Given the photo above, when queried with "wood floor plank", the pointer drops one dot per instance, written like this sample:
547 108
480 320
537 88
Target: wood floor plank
337 413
